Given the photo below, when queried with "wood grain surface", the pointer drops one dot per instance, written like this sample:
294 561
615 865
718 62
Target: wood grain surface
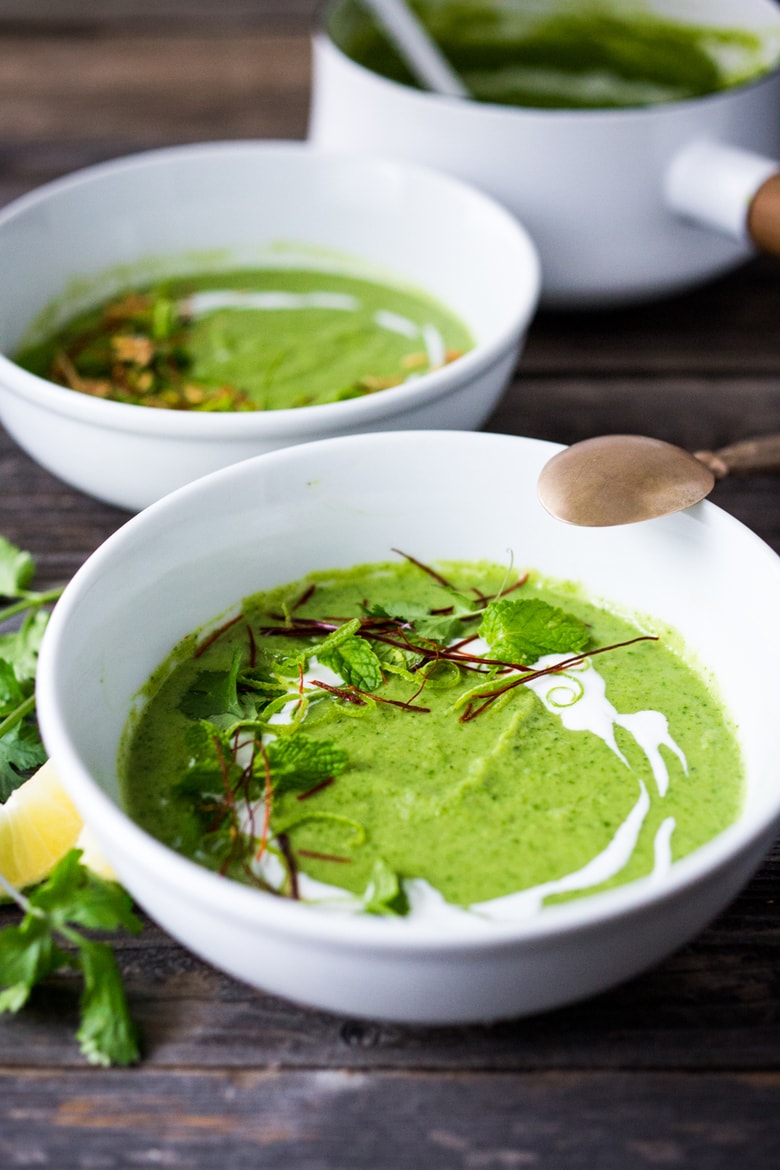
678 1068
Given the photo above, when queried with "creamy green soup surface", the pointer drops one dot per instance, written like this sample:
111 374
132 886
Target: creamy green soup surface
594 54
250 339
452 739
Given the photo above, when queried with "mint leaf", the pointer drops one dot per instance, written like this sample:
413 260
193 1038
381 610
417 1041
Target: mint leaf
351 656
525 631
298 762
356 662
17 569
385 893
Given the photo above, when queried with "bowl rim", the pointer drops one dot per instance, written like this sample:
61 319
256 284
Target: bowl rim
318 419
320 36
193 882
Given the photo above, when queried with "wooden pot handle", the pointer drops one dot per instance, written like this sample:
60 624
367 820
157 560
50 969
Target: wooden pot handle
759 454
763 220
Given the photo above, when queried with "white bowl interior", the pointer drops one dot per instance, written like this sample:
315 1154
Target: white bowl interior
227 204
194 555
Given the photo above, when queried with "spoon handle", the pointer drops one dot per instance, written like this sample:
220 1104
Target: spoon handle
764 216
419 51
759 454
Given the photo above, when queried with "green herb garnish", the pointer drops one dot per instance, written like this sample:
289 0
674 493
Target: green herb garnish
50 937
525 631
21 749
47 938
243 762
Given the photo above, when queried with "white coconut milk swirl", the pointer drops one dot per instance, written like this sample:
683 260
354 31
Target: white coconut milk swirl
202 303
576 696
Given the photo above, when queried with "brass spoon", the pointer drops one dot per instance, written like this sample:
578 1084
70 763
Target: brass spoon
620 479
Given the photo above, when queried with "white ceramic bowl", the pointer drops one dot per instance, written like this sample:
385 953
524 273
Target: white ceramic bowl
269 520
623 204
241 204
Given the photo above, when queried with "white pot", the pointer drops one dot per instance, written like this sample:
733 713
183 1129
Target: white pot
623 204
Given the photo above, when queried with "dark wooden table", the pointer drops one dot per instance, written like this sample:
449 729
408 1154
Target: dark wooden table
679 1068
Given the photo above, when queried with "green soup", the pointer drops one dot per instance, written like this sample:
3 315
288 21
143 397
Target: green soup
397 734
592 55
253 339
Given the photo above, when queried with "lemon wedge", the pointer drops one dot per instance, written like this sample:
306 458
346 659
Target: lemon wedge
38 825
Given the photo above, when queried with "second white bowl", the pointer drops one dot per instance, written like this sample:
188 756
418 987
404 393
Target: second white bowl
240 205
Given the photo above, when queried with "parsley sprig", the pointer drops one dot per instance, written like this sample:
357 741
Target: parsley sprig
50 937
21 749
51 934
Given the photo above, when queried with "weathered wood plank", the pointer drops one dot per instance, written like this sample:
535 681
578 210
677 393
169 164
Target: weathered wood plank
85 17
725 327
715 1005
311 1120
83 99
695 412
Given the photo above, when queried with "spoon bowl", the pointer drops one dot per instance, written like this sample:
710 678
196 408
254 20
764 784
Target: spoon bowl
621 479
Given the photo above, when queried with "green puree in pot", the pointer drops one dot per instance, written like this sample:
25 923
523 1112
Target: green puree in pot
588 55
352 713
252 339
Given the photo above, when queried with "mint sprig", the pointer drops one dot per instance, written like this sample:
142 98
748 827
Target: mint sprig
524 631
353 658
298 762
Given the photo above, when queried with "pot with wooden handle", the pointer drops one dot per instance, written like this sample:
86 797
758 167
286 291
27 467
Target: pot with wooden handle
624 204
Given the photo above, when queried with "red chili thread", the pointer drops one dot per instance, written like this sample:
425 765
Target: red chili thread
323 856
267 796
216 634
471 712
284 847
317 788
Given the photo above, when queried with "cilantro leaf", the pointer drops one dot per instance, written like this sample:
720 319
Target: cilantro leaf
385 893
107 1034
76 894
213 692
211 768
524 631
224 696
30 952
17 569
434 627
11 691
20 648
298 762
21 752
